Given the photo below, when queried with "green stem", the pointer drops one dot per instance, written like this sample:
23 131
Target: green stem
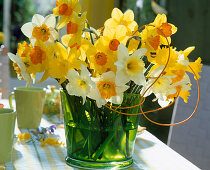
127 143
100 149
91 37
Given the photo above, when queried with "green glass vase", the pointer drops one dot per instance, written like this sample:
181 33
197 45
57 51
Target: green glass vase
99 138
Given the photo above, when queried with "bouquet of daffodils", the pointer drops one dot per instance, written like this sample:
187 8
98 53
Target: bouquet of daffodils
102 64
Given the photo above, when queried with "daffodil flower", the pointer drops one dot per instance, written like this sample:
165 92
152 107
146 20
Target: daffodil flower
65 9
118 18
107 90
130 67
25 75
181 87
156 32
79 84
160 86
100 59
65 60
74 31
113 38
41 29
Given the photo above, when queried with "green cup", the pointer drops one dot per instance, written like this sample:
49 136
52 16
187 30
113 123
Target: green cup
7 126
29 106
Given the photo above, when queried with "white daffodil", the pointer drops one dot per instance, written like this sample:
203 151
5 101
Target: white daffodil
25 75
160 86
130 67
41 29
173 90
79 84
107 90
161 89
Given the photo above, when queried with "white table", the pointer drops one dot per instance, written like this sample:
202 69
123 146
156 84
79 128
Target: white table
150 154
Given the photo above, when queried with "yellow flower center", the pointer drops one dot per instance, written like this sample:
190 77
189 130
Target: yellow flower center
37 55
101 58
42 32
107 89
134 66
123 22
113 44
64 9
82 83
72 28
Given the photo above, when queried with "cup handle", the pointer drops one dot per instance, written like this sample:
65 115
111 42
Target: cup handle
10 100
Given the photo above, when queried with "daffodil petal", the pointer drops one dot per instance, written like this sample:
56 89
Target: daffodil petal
139 79
63 22
54 34
140 52
121 77
38 19
50 21
116 14
72 74
27 29
120 31
84 71
122 52
129 15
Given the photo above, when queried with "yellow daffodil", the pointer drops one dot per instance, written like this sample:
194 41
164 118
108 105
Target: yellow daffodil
154 34
41 29
181 87
113 38
164 28
107 90
74 31
99 59
24 49
39 57
130 67
20 66
162 55
66 9
196 66
79 84
65 60
24 52
118 18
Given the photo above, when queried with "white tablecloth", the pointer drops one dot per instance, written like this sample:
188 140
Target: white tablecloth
150 154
